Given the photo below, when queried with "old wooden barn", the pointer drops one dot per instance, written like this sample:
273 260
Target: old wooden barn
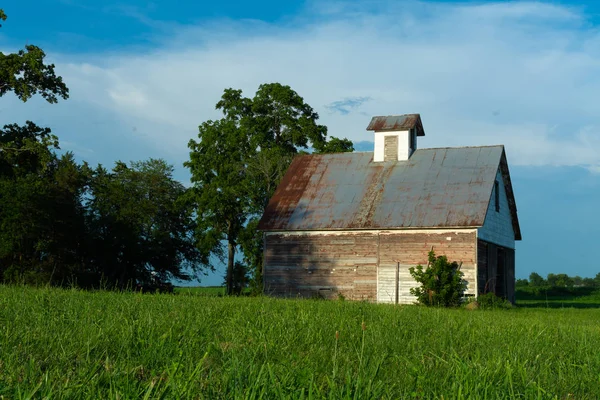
354 223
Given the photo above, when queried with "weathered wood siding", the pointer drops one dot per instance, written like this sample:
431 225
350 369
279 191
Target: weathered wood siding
323 265
359 265
410 248
391 148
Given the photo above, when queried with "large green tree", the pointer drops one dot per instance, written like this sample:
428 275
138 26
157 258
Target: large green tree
220 192
41 216
238 162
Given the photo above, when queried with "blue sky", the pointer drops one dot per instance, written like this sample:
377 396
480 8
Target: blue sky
143 76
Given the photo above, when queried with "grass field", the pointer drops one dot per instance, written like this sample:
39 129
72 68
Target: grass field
207 291
75 344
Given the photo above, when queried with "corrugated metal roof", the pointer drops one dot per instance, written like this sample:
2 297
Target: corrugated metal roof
446 187
397 123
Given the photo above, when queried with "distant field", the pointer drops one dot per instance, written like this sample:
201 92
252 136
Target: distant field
558 298
74 344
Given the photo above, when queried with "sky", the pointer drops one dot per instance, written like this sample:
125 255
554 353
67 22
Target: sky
143 75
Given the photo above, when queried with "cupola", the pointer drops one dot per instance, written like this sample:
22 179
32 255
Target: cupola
396 136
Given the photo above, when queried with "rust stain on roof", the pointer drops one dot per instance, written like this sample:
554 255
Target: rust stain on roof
446 187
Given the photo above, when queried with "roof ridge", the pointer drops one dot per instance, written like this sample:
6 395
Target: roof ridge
460 147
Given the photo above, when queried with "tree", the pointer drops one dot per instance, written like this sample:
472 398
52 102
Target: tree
139 226
26 74
522 283
220 190
536 280
441 282
239 161
552 280
589 282
28 168
41 221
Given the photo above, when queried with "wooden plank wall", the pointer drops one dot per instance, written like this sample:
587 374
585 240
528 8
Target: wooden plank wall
321 265
352 264
412 248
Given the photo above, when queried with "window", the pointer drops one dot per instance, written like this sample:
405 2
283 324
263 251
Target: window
412 135
497 195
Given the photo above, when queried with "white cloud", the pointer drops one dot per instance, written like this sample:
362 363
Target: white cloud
523 74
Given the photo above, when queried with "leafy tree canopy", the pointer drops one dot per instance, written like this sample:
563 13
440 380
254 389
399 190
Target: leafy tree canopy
26 74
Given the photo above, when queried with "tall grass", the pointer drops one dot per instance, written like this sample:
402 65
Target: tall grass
74 344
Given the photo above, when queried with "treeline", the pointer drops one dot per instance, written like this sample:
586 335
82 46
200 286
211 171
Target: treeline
64 222
558 281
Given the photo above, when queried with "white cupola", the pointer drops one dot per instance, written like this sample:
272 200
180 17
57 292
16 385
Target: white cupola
396 136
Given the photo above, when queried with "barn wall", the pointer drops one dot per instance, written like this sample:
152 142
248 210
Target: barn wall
355 264
498 227
412 248
324 265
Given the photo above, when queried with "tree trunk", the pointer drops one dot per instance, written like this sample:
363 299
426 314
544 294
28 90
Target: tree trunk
230 261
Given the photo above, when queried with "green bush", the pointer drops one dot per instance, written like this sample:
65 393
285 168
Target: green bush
441 282
491 301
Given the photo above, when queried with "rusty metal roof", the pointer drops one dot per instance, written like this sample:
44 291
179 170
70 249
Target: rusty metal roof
445 187
397 123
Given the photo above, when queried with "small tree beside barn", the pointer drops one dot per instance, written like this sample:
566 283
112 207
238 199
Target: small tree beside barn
356 223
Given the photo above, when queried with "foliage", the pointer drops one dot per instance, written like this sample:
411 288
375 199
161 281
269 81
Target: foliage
220 189
240 278
139 225
75 344
521 283
62 223
491 301
536 279
251 243
558 281
441 282
238 162
41 218
25 74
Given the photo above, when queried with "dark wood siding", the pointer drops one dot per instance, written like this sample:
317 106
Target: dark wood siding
321 265
482 266
510 275
496 270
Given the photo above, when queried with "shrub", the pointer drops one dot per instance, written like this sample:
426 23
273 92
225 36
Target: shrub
490 301
441 282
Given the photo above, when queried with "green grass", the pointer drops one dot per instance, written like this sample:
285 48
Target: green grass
74 344
209 291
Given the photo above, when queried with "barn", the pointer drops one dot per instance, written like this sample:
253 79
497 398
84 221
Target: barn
352 224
